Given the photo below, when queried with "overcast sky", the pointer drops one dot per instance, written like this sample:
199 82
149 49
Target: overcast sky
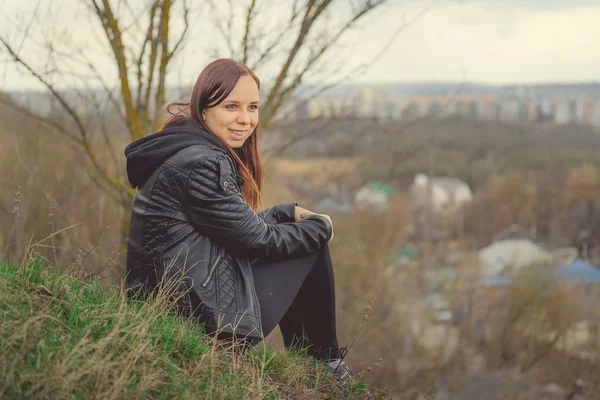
485 41
495 41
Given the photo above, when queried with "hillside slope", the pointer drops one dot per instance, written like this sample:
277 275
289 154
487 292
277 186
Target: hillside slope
66 337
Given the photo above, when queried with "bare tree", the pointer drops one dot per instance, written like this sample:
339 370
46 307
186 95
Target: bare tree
142 45
296 39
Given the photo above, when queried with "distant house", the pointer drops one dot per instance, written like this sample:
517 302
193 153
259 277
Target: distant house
373 195
446 193
435 204
511 255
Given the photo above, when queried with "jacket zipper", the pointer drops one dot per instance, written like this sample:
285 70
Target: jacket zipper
213 268
256 309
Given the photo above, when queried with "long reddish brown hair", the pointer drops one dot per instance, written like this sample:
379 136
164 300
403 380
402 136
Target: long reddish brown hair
214 84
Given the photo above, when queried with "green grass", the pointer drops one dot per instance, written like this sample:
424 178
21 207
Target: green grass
66 337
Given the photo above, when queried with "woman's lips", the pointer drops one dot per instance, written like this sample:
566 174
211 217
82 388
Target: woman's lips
238 133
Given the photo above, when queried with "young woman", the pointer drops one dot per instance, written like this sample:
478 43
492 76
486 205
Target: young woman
197 220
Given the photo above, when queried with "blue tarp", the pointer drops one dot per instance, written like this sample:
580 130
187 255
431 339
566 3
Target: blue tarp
578 270
494 280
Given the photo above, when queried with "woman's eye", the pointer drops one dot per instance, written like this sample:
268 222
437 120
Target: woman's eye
231 106
254 107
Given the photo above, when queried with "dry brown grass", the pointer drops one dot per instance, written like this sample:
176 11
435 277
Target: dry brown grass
320 172
55 189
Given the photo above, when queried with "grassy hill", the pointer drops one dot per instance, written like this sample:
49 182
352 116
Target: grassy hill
64 336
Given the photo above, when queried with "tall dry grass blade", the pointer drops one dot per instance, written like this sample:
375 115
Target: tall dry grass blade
51 208
27 256
17 217
59 231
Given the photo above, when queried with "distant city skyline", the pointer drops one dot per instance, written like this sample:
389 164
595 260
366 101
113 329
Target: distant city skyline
512 42
558 104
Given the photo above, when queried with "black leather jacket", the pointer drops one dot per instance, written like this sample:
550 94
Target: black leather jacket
192 233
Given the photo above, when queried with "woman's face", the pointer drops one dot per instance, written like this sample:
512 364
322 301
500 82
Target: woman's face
234 120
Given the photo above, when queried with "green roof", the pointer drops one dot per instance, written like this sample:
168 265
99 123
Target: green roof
382 187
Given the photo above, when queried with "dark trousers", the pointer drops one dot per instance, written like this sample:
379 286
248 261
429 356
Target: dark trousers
299 295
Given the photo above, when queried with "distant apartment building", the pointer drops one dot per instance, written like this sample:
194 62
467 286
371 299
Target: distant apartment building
510 109
588 111
331 107
423 105
486 108
466 106
562 111
317 107
579 108
396 108
373 102
595 114
522 104
449 106
545 110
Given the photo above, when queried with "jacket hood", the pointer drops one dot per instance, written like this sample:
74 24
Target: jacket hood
147 154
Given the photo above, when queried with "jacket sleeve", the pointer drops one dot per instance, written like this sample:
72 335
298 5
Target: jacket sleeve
216 208
280 213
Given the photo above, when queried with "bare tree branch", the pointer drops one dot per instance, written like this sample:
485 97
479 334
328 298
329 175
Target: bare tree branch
101 117
309 19
186 21
362 68
276 34
44 120
80 58
230 28
368 6
152 57
72 113
108 91
49 86
159 98
135 22
225 29
113 33
26 32
246 39
297 138
147 39
307 49
151 53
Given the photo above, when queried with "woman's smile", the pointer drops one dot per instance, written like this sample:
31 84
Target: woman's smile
238 134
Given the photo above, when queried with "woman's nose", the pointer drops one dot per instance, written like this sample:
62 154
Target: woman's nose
244 118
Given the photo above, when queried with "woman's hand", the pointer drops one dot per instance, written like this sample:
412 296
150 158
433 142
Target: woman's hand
301 213
331 222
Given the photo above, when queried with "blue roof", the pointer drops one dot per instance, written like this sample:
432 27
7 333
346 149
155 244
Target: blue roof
494 280
578 270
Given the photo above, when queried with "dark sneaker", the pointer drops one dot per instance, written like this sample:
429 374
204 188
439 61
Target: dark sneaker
340 370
